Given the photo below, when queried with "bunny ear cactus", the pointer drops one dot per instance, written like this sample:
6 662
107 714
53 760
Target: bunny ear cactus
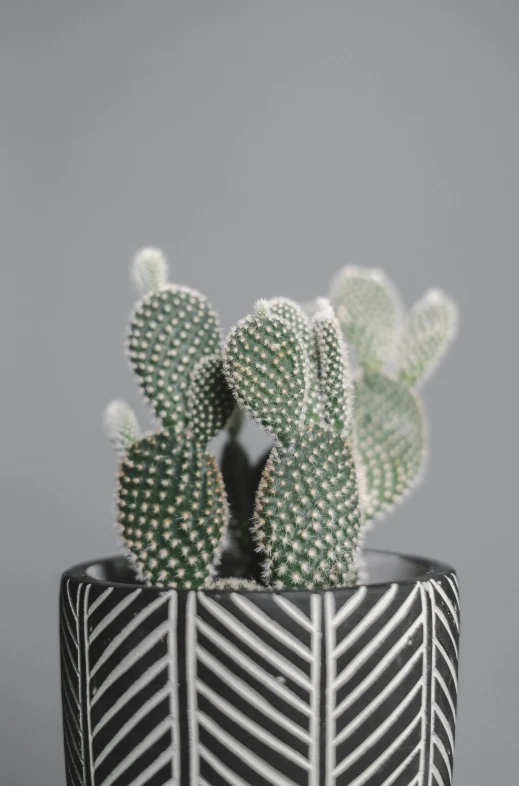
306 517
393 356
172 507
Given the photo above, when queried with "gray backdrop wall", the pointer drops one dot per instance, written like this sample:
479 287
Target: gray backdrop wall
262 145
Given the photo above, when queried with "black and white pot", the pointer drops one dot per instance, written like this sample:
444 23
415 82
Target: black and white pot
350 687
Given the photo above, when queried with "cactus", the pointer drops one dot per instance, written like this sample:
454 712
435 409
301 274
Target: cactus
394 356
346 447
306 517
172 507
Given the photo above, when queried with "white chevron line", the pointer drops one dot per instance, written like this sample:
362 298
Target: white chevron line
375 642
379 732
72 689
95 605
425 682
131 658
366 621
245 754
445 756
439 679
138 685
449 664
70 759
379 699
251 726
64 616
438 778
221 768
441 616
315 696
87 685
250 695
272 627
447 601
293 611
331 673
81 708
148 741
256 671
446 725
173 686
455 589
72 662
149 772
71 712
191 675
434 671
388 752
349 607
71 735
125 632
113 614
378 670
255 643
130 724
72 608
399 770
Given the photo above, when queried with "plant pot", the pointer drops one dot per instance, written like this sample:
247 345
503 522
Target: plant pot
343 687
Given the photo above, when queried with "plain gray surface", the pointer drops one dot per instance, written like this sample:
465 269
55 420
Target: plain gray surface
262 145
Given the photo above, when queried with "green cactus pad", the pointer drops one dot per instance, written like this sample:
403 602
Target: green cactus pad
369 312
172 510
335 377
266 366
390 438
293 313
307 516
209 400
170 332
430 328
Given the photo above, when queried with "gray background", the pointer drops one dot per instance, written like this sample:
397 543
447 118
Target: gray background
262 145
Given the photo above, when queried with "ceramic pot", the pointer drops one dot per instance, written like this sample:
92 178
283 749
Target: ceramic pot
346 687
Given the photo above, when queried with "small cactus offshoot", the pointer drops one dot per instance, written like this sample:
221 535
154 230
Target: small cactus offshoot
347 444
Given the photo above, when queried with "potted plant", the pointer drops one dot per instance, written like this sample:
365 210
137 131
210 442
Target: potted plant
247 638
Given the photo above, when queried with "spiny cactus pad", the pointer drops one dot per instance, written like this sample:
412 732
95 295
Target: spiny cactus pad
209 401
334 371
172 509
171 330
307 516
390 431
369 311
266 366
295 315
430 328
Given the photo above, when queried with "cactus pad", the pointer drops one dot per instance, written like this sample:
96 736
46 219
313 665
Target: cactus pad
209 400
369 312
430 329
266 366
307 516
390 432
172 509
171 330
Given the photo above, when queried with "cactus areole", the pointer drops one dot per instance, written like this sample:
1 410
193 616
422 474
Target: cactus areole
247 638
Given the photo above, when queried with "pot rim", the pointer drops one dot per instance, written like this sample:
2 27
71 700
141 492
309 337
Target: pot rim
432 569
